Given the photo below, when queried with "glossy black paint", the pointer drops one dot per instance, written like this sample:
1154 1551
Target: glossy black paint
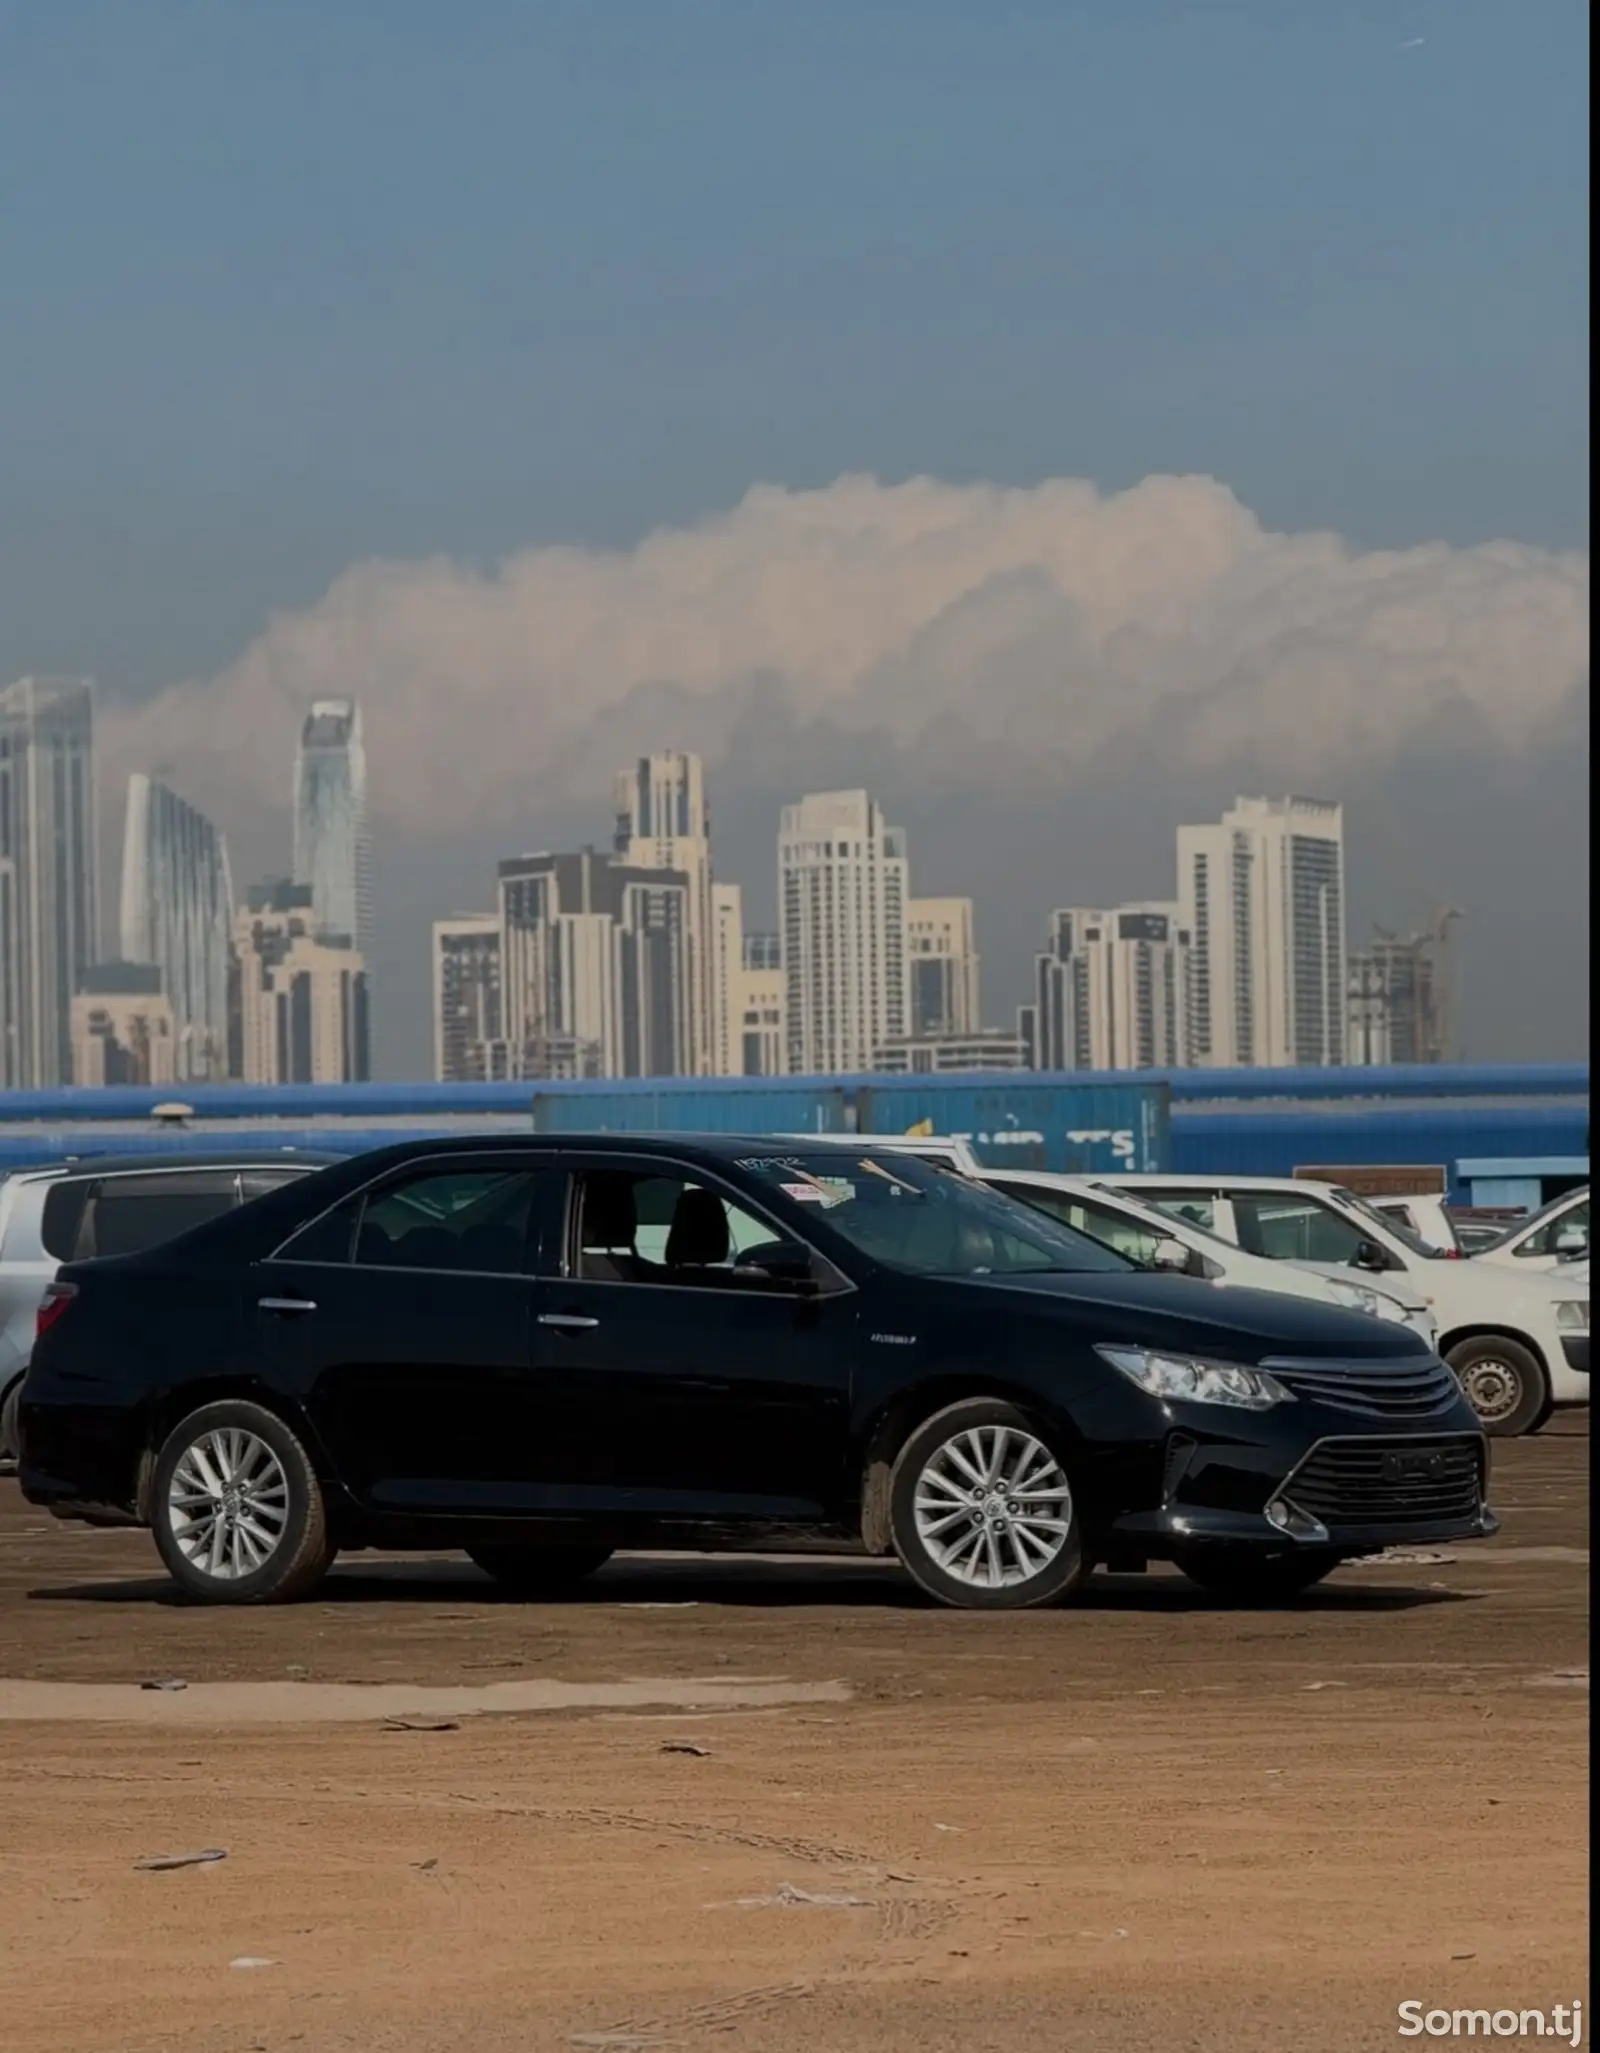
443 1408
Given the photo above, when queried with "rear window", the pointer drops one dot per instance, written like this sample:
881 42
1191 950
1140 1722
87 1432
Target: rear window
128 1214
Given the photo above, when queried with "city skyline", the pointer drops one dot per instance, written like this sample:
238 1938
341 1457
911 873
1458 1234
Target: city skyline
621 965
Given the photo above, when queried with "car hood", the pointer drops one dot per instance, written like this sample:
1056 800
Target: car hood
1183 1313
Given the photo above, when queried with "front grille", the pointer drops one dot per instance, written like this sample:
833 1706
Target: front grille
1377 1390
1389 1482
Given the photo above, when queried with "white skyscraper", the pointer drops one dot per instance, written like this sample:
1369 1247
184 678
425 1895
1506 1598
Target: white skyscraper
842 916
663 824
727 967
468 1015
177 914
594 967
1112 990
302 995
332 839
1262 894
49 914
942 968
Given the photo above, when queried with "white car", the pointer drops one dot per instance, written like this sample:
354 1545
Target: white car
1518 1343
1548 1241
1164 1240
1426 1216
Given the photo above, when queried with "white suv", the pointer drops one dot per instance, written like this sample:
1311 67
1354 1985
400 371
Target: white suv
1519 1344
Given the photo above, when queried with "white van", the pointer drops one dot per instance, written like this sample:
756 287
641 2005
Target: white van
1519 1343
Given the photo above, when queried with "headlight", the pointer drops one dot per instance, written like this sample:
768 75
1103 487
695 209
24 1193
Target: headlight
1573 1313
1196 1382
1377 1304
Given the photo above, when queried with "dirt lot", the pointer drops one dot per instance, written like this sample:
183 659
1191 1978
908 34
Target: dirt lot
1150 1822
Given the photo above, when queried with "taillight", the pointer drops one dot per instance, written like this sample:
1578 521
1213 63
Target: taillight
54 1302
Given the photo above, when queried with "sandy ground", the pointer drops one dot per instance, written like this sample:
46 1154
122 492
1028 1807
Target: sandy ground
745 1805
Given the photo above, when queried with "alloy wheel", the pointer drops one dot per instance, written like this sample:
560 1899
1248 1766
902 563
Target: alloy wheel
993 1507
228 1503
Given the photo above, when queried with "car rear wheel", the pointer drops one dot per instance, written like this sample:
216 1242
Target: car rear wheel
981 1510
1251 1578
539 1571
10 1431
1503 1382
236 1508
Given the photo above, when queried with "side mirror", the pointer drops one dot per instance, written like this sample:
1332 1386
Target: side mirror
1172 1257
1370 1256
1571 1243
785 1261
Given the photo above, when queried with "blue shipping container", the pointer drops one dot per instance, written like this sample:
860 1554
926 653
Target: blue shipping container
1008 1122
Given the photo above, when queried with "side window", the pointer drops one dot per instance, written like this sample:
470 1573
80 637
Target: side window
63 1217
1184 1204
474 1220
128 1214
1113 1229
331 1238
637 1228
1287 1229
1559 1234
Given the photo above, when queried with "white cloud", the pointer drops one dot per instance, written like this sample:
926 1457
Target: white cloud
1062 619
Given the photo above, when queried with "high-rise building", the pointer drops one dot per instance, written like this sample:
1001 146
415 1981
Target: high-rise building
1399 998
123 1027
763 951
842 898
302 994
1262 894
49 915
594 967
727 968
942 968
332 836
663 823
468 1016
758 999
953 1054
177 914
1111 990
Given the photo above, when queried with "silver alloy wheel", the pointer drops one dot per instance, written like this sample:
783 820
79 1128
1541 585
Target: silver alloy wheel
228 1503
993 1507
1492 1387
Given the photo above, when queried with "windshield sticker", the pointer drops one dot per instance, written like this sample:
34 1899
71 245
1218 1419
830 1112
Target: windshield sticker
805 1193
827 1191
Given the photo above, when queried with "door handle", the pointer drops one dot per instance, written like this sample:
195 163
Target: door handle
568 1322
288 1307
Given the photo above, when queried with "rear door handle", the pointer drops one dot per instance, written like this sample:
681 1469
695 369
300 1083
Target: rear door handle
288 1307
568 1322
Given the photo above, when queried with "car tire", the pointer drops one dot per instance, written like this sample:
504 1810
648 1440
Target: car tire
1504 1382
1246 1577
10 1425
535 1572
236 1508
981 1510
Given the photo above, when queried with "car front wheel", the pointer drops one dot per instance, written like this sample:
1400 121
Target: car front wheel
1503 1382
236 1508
981 1510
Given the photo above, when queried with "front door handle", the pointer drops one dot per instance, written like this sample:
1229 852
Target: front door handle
568 1322
288 1307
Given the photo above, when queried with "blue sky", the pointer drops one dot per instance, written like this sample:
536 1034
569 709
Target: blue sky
286 286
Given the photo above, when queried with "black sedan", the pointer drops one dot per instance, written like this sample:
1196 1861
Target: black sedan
542 1350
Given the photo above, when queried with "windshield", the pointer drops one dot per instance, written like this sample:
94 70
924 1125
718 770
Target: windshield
910 1215
1396 1227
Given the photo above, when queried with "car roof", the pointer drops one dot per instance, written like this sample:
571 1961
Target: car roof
1221 1181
